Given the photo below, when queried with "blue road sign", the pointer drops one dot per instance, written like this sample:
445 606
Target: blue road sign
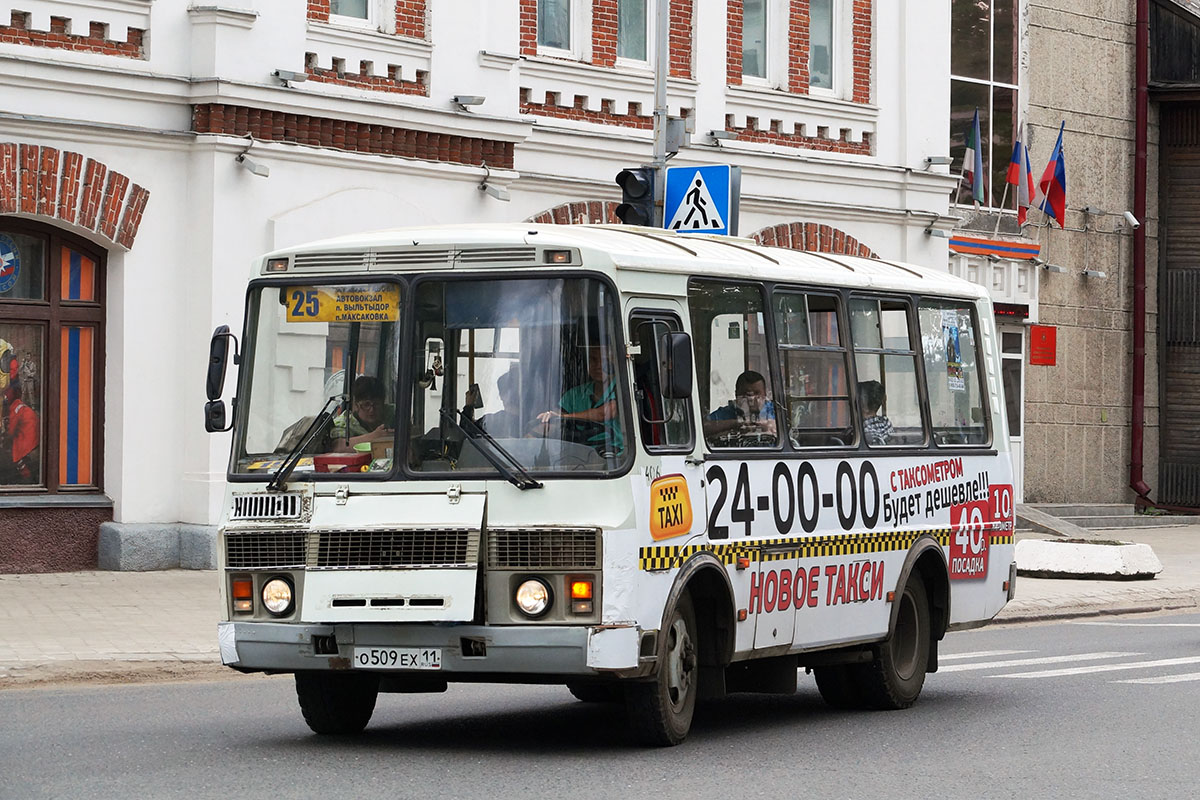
699 199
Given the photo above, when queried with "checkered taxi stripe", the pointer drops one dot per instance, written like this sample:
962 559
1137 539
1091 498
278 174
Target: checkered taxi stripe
651 559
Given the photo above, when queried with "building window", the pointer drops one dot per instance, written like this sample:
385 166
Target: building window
983 75
354 12
822 34
554 24
51 353
632 30
754 39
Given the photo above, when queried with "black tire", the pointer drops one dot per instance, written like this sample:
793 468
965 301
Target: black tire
596 692
660 711
894 677
838 685
337 702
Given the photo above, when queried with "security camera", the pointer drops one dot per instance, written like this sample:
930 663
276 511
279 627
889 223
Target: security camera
1132 220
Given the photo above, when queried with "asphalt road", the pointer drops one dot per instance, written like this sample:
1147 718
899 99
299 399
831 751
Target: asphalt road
1093 708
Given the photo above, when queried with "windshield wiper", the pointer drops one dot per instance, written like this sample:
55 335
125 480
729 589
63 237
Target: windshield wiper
315 428
514 473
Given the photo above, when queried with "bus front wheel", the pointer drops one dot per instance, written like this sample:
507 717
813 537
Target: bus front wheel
337 702
660 711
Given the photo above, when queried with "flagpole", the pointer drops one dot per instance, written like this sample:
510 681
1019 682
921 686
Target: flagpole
1000 215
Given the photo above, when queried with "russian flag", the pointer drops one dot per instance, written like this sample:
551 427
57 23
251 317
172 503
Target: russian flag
1020 174
1054 182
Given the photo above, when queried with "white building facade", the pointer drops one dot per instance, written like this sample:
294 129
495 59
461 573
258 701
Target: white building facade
154 147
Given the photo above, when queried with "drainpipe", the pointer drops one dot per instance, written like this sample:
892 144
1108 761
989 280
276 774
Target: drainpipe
1141 121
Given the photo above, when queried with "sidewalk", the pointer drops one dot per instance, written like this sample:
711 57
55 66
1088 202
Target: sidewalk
122 626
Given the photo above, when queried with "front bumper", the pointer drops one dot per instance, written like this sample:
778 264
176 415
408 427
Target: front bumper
467 650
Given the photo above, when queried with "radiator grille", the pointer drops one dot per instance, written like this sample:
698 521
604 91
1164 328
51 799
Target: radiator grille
524 255
399 258
266 506
265 550
417 548
355 260
536 549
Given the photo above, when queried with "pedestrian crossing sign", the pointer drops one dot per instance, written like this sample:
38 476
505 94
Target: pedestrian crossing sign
701 199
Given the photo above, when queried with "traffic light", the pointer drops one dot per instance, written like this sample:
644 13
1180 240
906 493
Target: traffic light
637 196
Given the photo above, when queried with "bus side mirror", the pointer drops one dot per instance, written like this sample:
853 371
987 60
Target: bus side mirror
214 416
218 356
676 350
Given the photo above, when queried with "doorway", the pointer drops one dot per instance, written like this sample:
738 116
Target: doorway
1012 374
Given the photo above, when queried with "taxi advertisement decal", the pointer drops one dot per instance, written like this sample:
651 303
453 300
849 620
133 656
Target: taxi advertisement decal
670 507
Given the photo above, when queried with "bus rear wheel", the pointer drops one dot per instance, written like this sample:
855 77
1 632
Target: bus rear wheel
337 702
894 677
660 711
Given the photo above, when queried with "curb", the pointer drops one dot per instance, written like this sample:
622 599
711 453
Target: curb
163 669
1140 606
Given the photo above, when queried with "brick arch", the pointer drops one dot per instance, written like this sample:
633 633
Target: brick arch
812 236
579 212
53 185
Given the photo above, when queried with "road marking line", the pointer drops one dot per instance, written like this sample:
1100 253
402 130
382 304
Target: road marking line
1054 673
982 654
1188 676
1022 662
1144 624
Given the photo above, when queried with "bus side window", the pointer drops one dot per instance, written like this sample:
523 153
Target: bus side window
953 373
888 401
812 357
665 425
732 355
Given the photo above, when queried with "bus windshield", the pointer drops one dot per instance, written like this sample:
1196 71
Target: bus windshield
303 339
533 362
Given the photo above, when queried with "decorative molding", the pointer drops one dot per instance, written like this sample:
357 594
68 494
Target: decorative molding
243 18
493 60
82 17
575 90
389 60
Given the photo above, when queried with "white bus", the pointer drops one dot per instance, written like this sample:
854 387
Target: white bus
652 467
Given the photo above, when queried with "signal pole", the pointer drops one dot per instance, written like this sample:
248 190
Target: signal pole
662 55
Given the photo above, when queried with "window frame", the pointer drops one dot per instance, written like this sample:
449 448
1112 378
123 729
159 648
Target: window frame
578 35
648 61
54 313
674 323
371 22
912 323
840 56
983 369
840 301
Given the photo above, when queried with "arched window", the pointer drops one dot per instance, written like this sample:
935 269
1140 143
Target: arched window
51 359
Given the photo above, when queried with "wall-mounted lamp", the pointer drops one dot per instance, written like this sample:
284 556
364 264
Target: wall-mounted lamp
465 100
1132 221
1053 268
1094 273
491 190
288 77
938 161
1092 211
938 233
992 257
718 135
256 167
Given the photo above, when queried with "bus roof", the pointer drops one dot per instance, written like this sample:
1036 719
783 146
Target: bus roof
621 247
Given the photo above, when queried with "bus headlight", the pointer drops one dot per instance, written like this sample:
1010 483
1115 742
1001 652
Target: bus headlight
277 596
533 597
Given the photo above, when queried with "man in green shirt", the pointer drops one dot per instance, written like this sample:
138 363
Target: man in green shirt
594 402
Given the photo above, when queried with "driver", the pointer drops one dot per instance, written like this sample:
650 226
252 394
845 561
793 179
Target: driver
368 418
749 413
592 402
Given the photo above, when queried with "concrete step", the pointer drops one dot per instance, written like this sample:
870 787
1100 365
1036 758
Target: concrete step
1072 510
1135 521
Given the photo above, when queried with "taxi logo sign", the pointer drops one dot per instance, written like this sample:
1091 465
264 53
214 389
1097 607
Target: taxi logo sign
670 507
10 263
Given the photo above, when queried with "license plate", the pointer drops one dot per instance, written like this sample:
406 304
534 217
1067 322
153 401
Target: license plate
397 658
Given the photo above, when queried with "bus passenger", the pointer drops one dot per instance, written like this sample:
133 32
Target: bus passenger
369 417
877 428
593 405
750 415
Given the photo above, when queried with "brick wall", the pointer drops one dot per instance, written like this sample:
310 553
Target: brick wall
96 41
733 44
53 184
579 212
863 31
812 236
278 126
364 78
